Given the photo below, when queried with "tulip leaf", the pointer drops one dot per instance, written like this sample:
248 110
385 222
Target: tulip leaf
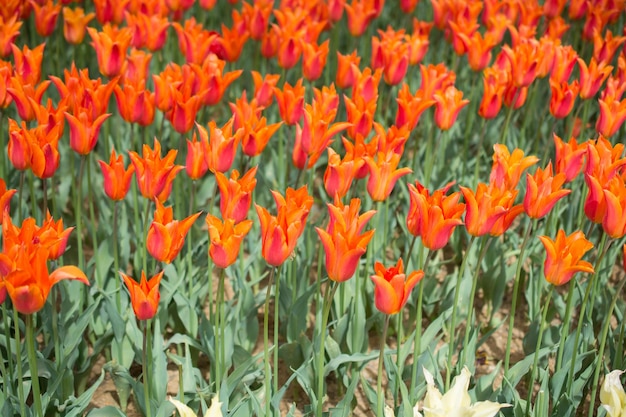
78 405
344 407
107 411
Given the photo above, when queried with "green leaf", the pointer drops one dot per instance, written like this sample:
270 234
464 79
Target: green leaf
108 411
78 405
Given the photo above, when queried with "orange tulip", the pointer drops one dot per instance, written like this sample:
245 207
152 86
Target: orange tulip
592 77
280 233
435 78
236 194
225 239
144 296
383 174
339 174
222 144
27 67
27 280
614 220
569 157
84 132
19 145
110 45
5 198
605 45
314 58
135 104
508 167
563 98
433 217
523 62
116 178
46 15
26 97
483 208
343 240
75 23
196 164
264 87
9 30
543 190
494 84
110 10
347 69
448 103
149 30
154 174
257 16
393 287
290 102
564 61
411 107
360 14
256 137
44 151
166 236
360 114
612 116
563 256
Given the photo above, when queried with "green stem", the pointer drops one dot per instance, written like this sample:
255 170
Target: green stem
566 323
605 331
380 403
520 260
7 336
266 344
507 120
583 309
44 206
219 345
188 256
533 370
32 362
116 260
79 218
486 240
33 200
452 326
147 358
20 195
276 329
479 152
417 338
329 293
146 211
18 356
399 362
92 217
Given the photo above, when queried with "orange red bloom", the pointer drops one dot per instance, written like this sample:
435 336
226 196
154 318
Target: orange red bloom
144 295
166 236
155 174
75 23
563 256
543 190
236 194
393 286
116 177
225 239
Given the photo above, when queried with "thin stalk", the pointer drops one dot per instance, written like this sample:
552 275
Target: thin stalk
486 240
147 358
266 344
329 293
146 210
399 363
188 256
3 160
33 200
92 216
583 309
276 330
507 120
20 195
566 323
7 336
452 327
520 260
479 152
533 370
32 363
79 218
430 160
417 341
605 331
219 345
380 403
18 356
44 206
116 260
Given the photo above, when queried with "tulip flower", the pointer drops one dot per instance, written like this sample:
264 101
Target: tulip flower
393 287
196 164
222 144
116 177
9 30
236 193
411 107
507 167
83 131
290 102
360 14
570 157
564 62
612 116
494 84
166 236
343 240
605 45
614 219
483 208
27 65
27 280
612 395
543 190
383 174
448 103
433 217
457 400
149 30
75 23
563 256
135 103
155 174
5 198
110 45
339 174
225 239
46 15
347 69
26 97
592 76
264 87
314 58
53 231
144 296
280 233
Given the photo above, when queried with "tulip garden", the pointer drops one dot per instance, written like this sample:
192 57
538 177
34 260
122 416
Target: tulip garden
312 208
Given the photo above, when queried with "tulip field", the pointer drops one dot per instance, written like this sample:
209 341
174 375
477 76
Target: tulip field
312 208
